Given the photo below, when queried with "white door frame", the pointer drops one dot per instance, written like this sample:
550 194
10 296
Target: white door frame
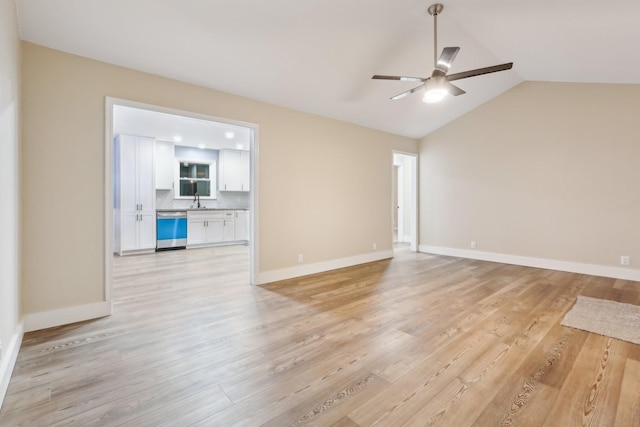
410 205
110 102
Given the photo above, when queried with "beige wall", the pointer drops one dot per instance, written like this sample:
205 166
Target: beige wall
325 186
9 173
546 170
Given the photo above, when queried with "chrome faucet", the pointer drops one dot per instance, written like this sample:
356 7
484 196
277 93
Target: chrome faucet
196 197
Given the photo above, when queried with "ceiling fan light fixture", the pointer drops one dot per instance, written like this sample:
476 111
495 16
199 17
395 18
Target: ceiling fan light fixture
431 96
435 90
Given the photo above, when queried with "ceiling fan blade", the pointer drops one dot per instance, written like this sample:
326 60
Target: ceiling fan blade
408 92
402 78
444 62
480 71
454 90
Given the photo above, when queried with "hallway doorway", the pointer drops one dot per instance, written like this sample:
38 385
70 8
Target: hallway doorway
405 199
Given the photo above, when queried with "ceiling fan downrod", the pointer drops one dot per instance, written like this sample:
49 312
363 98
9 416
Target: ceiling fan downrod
435 10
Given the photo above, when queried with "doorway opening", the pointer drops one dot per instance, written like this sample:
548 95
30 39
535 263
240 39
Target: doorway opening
187 132
405 200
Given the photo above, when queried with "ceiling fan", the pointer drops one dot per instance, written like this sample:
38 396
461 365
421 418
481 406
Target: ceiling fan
439 84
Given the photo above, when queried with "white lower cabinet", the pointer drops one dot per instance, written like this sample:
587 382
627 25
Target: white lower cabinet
138 231
228 226
196 232
242 225
204 228
211 227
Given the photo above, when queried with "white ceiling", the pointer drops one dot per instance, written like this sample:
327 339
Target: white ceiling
318 56
187 131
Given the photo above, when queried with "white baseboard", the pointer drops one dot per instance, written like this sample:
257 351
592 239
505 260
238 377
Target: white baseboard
319 267
64 316
8 362
572 267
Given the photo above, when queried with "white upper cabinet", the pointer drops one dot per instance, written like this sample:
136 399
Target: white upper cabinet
234 170
245 168
165 154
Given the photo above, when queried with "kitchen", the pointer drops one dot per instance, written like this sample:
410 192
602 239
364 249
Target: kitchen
179 182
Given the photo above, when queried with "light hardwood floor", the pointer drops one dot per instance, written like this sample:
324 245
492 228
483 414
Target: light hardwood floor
417 340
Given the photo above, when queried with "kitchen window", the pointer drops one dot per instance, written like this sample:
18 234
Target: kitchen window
195 177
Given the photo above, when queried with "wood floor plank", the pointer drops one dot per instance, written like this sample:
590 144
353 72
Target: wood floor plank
524 396
594 384
334 405
416 340
628 409
481 381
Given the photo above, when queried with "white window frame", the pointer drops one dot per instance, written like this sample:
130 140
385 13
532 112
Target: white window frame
213 173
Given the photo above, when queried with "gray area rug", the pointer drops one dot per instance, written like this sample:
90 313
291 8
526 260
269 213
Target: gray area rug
604 317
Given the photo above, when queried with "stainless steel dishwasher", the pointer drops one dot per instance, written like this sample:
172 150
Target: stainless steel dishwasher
171 229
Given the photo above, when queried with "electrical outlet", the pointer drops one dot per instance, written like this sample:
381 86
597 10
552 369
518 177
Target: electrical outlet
375 246
474 245
300 258
624 260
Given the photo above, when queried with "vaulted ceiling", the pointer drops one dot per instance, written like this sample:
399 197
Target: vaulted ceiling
318 56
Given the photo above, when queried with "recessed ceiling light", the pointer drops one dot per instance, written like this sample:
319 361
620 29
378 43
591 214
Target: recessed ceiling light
239 146
229 135
201 145
177 138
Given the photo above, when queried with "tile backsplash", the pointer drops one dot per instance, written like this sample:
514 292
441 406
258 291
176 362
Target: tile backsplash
225 200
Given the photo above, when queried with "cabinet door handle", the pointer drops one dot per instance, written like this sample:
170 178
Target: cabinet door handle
140 206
